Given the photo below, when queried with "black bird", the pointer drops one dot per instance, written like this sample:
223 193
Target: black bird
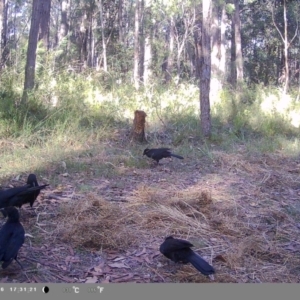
18 196
180 251
12 236
158 154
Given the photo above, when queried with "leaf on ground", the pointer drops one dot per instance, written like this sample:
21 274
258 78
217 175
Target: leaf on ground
71 250
139 259
72 259
128 253
91 279
293 247
98 273
119 266
124 278
2 280
58 190
112 256
220 258
119 258
37 280
142 252
62 267
99 267
155 254
106 280
97 270
66 279
146 258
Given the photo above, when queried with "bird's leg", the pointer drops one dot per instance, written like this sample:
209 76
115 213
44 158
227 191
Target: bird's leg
26 276
19 263
33 210
20 211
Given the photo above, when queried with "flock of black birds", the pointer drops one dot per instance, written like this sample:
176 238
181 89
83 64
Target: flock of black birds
12 233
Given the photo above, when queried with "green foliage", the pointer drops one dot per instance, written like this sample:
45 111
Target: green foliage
68 109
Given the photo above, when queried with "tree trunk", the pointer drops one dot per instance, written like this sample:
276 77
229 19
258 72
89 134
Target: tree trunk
45 7
170 59
238 43
120 22
31 50
147 57
82 42
103 37
286 46
198 51
205 69
138 129
142 40
232 77
136 45
3 23
222 67
64 24
216 74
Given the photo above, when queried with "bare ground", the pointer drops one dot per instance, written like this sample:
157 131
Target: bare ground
241 211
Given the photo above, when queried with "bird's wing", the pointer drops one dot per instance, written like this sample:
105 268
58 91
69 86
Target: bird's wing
7 194
29 190
5 235
181 244
15 242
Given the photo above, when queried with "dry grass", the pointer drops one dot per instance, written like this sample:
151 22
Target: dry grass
241 212
230 215
95 223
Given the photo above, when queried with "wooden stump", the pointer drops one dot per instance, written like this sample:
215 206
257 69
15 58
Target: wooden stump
138 129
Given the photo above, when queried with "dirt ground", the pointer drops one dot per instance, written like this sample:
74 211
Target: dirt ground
241 212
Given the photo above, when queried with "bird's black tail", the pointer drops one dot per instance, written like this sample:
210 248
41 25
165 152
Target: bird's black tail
178 156
200 264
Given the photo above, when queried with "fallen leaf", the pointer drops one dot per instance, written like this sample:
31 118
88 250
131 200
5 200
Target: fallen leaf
142 252
220 257
91 279
57 191
29 235
62 267
99 268
71 250
98 273
72 259
36 279
155 254
106 280
118 265
148 260
124 278
119 258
